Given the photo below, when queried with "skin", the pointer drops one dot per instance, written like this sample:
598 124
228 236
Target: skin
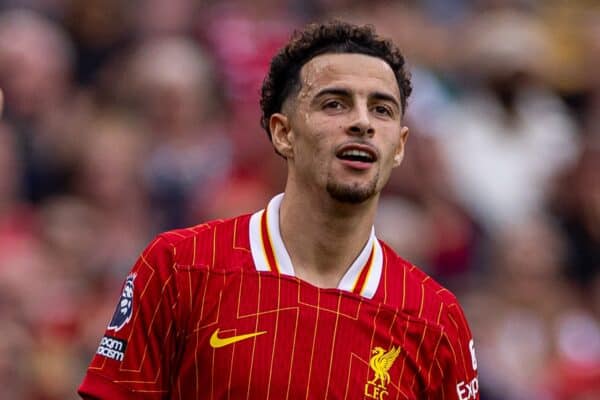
1 102
329 204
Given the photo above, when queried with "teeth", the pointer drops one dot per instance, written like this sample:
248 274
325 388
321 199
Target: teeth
356 153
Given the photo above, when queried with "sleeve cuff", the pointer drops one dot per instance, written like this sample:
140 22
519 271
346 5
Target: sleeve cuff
97 387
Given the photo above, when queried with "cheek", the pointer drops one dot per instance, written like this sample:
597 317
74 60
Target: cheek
307 150
314 138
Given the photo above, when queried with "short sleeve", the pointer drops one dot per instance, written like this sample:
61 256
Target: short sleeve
136 353
456 358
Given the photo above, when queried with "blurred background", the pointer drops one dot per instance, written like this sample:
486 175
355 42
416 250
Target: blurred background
126 118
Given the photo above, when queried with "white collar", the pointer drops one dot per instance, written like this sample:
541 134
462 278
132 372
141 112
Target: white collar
269 253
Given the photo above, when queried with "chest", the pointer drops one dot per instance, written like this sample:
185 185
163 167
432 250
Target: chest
260 336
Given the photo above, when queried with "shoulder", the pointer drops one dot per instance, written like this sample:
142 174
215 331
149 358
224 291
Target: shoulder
417 293
413 292
204 243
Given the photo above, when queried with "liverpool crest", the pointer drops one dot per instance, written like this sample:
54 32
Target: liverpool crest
380 363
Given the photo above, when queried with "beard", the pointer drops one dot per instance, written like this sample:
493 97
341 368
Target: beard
352 193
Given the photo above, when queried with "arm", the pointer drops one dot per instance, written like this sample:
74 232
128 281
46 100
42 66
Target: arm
134 357
456 359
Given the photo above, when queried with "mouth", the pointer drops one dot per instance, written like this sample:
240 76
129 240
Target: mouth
357 153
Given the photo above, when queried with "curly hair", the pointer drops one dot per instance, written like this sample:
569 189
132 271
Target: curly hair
283 77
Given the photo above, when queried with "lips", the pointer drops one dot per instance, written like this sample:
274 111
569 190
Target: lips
357 152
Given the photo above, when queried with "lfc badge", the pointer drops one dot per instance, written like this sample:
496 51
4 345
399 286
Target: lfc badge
380 363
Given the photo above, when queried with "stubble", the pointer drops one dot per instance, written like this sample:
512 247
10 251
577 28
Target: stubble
352 193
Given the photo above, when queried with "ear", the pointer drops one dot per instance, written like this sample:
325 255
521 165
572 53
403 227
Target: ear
400 149
279 125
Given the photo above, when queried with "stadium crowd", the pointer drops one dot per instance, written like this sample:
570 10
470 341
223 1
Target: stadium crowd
125 119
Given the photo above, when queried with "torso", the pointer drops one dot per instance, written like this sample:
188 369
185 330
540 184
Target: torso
388 338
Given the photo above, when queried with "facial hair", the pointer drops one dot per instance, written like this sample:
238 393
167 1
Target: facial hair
352 193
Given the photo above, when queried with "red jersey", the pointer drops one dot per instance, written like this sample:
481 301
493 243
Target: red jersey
215 312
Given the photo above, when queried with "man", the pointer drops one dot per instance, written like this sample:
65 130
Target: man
300 300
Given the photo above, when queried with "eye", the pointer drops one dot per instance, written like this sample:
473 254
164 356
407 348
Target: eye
383 110
333 104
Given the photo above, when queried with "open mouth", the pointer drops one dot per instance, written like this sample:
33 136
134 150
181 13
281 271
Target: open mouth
358 153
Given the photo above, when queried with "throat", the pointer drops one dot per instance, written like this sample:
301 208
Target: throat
323 237
322 254
325 278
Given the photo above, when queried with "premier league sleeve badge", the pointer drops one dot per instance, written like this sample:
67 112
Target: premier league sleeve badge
124 309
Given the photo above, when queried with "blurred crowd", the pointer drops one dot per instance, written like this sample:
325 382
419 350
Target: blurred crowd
124 119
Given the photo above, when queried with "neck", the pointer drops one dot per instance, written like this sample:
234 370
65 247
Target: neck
323 236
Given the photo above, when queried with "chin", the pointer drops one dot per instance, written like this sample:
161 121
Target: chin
352 194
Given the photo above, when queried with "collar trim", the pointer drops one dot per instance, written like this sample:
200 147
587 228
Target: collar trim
269 253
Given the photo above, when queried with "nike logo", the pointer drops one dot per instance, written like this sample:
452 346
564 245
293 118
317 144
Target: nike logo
216 341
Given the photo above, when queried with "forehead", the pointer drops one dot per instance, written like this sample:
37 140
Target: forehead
354 71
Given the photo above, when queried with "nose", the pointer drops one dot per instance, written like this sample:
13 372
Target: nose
360 124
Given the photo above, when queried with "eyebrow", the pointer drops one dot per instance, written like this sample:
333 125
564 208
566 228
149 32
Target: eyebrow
332 90
386 97
345 92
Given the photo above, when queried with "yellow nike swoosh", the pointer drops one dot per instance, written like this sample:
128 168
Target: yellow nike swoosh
216 341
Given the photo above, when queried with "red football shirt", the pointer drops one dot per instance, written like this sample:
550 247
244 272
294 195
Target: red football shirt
215 312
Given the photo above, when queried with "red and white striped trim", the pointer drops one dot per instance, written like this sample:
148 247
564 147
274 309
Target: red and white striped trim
269 253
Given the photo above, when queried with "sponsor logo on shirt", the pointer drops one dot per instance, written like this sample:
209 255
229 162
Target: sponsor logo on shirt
124 309
468 390
380 363
112 348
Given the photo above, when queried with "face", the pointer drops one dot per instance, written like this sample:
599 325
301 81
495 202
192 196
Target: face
343 131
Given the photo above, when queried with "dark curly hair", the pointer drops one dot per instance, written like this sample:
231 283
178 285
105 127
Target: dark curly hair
283 78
